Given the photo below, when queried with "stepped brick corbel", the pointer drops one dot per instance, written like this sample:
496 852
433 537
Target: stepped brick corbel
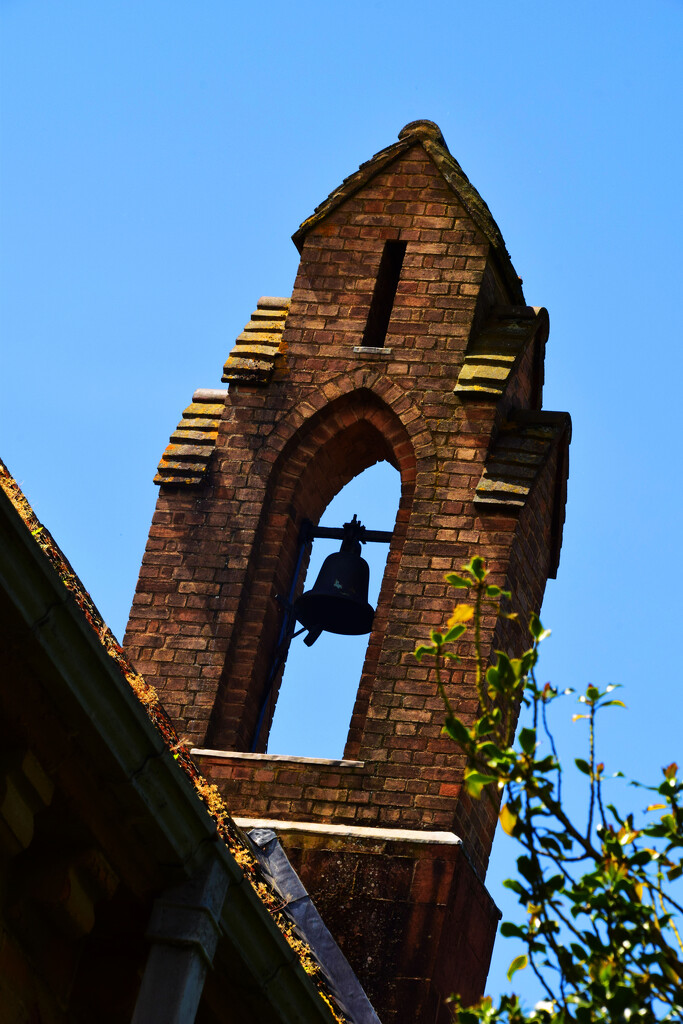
495 350
186 459
254 355
522 448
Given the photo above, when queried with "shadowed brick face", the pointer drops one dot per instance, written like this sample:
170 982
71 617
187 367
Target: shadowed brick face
205 619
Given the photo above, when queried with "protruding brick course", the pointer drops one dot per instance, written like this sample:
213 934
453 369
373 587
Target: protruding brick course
451 398
186 459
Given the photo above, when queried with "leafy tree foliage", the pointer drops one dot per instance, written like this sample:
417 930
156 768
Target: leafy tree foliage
600 913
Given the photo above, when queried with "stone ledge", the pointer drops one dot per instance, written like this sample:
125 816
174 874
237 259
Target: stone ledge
405 835
240 755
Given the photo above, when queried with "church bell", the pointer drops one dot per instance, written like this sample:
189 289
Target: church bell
338 600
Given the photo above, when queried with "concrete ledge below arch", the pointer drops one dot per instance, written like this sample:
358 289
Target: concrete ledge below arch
239 755
405 835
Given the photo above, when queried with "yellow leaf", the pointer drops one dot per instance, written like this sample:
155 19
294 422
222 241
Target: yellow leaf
518 964
508 820
461 613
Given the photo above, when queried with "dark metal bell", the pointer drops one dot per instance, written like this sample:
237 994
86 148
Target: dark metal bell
338 600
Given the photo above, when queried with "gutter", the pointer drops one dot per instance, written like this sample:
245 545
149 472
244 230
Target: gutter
115 728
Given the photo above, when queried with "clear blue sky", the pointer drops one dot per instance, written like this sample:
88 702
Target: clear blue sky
157 156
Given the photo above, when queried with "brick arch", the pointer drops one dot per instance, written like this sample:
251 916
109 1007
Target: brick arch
300 419
323 452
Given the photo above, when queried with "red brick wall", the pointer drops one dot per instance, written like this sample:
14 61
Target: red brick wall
205 619
421 927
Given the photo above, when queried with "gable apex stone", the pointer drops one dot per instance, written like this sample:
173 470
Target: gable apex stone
428 135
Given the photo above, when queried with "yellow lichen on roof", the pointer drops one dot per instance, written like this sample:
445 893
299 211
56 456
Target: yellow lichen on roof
149 700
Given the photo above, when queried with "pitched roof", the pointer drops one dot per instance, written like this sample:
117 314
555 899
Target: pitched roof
428 135
17 515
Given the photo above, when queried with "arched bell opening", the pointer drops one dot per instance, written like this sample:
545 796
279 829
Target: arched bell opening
335 445
312 710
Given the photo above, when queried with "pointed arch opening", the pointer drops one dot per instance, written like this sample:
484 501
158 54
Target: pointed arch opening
317 694
334 445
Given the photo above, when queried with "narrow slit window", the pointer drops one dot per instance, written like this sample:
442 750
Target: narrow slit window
384 294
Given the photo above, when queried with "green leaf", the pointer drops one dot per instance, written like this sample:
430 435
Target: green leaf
549 843
511 931
475 782
493 591
457 581
518 964
582 765
490 753
536 629
420 651
493 678
527 740
545 765
457 730
514 885
488 722
454 634
476 568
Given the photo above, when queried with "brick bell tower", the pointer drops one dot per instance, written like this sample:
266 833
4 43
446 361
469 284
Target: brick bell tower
407 338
